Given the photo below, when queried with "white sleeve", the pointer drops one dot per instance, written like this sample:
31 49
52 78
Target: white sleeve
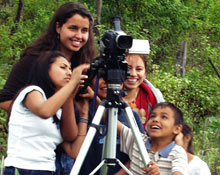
126 140
180 161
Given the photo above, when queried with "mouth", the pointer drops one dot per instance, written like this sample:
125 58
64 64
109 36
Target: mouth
75 43
104 88
67 79
132 79
155 127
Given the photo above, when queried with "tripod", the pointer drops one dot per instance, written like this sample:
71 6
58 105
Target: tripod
113 103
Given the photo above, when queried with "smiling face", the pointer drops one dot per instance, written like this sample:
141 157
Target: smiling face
137 71
161 124
60 72
102 88
74 34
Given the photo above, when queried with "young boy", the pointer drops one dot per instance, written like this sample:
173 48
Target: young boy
164 123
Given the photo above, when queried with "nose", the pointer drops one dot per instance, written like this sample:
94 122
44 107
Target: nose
156 119
69 72
78 34
132 72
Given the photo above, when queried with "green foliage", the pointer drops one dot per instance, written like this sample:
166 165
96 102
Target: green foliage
3 133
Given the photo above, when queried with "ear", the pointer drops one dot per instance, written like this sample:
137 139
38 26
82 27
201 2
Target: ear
58 28
177 129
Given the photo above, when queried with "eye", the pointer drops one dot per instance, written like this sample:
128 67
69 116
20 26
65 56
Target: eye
164 117
73 27
85 30
151 116
139 69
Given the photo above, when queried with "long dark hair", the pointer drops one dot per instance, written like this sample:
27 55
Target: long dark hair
39 74
187 131
49 40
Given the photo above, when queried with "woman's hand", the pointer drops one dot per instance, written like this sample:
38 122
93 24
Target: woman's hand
83 107
90 95
77 74
78 78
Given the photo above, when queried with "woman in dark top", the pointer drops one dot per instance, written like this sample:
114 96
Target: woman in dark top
69 31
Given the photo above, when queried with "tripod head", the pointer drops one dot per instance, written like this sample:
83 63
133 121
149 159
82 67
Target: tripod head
111 64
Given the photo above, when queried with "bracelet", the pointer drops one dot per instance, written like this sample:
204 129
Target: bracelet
81 134
83 120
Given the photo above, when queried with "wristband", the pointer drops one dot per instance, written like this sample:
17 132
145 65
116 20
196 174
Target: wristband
81 134
83 120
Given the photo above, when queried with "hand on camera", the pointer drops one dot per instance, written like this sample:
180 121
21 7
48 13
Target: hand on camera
90 95
77 74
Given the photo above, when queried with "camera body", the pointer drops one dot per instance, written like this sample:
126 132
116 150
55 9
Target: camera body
111 64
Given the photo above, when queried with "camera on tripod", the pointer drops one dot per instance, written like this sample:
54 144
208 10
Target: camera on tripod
111 64
112 67
115 42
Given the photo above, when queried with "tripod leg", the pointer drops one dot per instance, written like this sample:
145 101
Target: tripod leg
136 134
110 140
97 168
124 167
110 144
88 139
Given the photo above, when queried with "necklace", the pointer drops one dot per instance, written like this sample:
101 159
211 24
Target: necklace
131 97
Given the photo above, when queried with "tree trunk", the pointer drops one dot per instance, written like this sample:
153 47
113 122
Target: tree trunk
98 14
18 16
98 11
181 59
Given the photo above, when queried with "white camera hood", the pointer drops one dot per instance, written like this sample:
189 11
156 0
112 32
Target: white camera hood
140 46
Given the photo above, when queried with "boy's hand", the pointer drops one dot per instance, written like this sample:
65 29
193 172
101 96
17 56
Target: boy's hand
152 169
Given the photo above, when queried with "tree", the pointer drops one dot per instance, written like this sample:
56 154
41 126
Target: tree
18 16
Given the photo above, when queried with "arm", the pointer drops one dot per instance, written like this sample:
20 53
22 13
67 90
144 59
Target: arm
177 173
68 125
122 171
34 101
119 127
5 105
179 162
72 149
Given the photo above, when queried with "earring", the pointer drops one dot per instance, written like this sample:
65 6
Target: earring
58 37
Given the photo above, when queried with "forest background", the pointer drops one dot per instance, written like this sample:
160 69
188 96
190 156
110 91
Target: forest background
166 24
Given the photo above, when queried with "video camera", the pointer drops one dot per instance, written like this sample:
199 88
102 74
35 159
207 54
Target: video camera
111 64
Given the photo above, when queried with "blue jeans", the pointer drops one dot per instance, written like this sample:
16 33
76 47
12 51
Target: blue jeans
64 163
11 171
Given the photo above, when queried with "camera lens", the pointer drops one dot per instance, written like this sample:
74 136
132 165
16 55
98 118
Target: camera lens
124 41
